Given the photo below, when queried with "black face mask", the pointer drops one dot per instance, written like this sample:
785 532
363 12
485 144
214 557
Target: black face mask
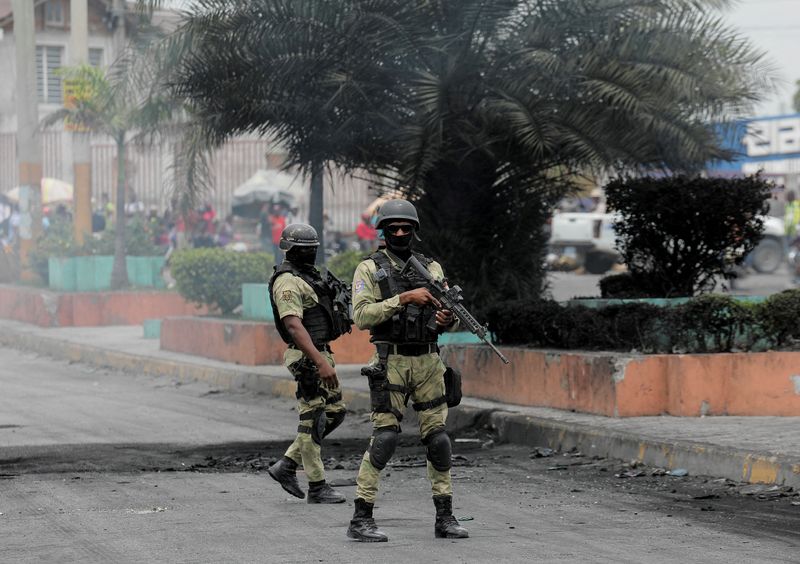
399 243
302 256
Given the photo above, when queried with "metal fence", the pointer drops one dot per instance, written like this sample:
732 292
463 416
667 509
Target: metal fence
150 173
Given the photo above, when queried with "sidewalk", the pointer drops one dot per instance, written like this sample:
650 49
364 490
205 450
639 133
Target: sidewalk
753 449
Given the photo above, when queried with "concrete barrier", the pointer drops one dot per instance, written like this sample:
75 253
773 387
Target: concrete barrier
249 343
625 385
54 309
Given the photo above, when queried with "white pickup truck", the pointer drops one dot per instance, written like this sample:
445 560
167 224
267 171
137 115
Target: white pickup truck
590 237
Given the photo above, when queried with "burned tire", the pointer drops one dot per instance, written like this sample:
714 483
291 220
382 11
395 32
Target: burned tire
767 256
598 262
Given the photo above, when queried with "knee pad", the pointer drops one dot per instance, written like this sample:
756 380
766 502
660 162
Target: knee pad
384 441
333 420
318 425
439 450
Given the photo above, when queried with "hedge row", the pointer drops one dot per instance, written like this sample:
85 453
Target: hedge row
708 323
214 277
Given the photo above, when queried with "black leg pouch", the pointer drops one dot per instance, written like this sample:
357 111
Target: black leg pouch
307 377
378 391
452 386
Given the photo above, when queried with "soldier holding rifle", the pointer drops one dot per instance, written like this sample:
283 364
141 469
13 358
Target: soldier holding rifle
405 320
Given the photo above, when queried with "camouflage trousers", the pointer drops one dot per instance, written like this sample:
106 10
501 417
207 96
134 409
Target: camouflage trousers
304 450
423 376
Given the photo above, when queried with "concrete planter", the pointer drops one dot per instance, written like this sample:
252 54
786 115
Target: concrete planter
62 273
625 385
93 273
248 342
90 309
256 303
145 272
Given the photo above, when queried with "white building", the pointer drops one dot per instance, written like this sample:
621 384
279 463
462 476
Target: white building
233 164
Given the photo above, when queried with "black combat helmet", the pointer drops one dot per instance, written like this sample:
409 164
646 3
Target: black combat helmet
298 235
398 209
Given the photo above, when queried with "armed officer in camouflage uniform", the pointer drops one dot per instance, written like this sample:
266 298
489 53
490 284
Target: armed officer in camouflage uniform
309 313
405 320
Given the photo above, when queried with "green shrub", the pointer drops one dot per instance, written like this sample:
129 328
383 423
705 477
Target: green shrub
680 233
710 323
533 322
344 264
623 286
138 241
780 316
214 277
706 324
59 241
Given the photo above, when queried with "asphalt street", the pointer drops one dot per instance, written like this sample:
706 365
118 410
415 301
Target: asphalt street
98 466
568 285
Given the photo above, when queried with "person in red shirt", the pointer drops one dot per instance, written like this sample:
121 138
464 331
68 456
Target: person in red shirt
366 233
277 220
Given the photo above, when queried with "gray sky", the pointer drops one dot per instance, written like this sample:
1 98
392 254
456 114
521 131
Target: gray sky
773 26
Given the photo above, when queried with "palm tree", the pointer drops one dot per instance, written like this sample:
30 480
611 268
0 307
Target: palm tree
108 103
291 85
482 111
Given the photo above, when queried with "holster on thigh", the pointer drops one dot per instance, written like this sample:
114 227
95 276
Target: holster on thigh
306 375
379 387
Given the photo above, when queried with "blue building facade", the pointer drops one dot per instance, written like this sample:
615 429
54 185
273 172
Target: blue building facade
769 144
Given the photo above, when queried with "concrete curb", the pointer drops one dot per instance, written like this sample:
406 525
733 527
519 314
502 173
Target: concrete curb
698 458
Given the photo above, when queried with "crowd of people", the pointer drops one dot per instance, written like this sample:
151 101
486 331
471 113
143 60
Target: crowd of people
200 227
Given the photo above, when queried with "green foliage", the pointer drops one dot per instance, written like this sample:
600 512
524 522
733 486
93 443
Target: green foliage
214 277
344 264
483 113
705 324
622 286
545 323
59 241
678 234
709 323
780 316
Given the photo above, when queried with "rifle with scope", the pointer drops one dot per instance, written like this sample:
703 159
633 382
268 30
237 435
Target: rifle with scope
450 299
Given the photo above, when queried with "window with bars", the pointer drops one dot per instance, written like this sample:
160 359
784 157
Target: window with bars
96 57
54 13
48 83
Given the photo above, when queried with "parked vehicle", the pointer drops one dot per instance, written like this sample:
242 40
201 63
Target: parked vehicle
590 238
794 261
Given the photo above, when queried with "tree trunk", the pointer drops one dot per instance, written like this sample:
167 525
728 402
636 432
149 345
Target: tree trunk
316 207
119 275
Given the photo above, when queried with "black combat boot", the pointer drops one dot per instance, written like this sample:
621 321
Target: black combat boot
363 527
446 525
321 492
285 473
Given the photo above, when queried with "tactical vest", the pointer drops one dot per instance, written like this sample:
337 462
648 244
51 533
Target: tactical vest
409 325
323 322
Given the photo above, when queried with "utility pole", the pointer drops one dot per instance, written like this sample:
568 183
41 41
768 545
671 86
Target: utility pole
81 140
29 143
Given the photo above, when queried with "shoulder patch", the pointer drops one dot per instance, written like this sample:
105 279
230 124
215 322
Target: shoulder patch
286 296
359 286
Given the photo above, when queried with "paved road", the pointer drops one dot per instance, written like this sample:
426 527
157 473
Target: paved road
567 285
97 466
